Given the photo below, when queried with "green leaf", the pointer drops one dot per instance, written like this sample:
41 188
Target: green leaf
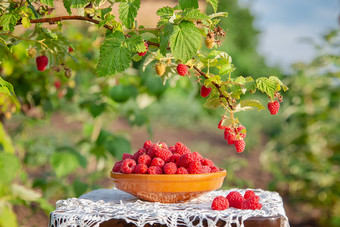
47 2
280 84
4 50
78 3
266 86
64 163
250 84
164 38
5 141
185 4
79 187
136 43
26 22
9 165
8 21
165 11
128 12
212 103
250 103
97 109
105 11
185 41
67 5
7 216
195 14
114 57
121 93
6 87
117 146
214 4
219 14
137 57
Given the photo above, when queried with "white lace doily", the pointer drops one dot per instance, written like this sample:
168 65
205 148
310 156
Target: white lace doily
102 205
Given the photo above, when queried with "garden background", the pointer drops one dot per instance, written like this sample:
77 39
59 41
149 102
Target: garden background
63 142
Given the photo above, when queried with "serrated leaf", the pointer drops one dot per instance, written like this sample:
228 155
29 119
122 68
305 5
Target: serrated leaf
250 84
165 11
128 12
47 2
214 4
195 14
114 57
185 41
240 80
164 38
64 163
135 43
266 86
212 103
219 14
280 84
8 21
78 3
67 5
185 4
252 103
137 57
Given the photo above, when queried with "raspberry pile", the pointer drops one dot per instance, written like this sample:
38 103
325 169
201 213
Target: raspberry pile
158 158
234 135
249 201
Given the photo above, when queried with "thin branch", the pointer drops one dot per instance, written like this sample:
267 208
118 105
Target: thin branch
218 87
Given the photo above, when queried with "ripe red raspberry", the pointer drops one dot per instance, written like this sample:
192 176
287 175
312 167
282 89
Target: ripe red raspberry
70 49
205 91
152 150
163 145
144 53
140 152
221 126
182 170
240 145
242 131
172 149
42 62
164 154
170 168
147 145
248 194
182 69
181 148
251 203
57 84
157 162
214 169
117 166
126 156
195 167
206 169
220 203
144 159
235 199
207 162
141 169
174 158
231 137
186 159
273 107
155 170
128 166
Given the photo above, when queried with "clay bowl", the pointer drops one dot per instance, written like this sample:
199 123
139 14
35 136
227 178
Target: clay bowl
172 188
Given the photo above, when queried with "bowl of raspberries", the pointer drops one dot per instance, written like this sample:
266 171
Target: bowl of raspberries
159 173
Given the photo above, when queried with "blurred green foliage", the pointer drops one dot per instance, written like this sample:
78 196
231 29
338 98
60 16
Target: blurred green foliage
303 153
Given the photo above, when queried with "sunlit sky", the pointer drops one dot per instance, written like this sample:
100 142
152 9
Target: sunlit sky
283 24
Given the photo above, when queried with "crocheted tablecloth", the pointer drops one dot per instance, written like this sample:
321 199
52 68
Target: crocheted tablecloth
101 205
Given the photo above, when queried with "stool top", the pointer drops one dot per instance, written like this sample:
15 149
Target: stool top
101 205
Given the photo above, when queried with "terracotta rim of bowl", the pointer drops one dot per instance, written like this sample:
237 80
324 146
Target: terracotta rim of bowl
169 177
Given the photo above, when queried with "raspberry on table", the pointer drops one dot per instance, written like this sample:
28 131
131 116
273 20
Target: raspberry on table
195 167
273 107
144 53
205 169
172 149
140 152
182 170
117 166
174 158
157 162
164 154
251 203
207 162
155 170
42 62
240 145
181 148
170 168
152 150
220 203
141 169
182 69
144 159
248 194
163 145
205 91
128 166
126 156
147 145
235 199
186 159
